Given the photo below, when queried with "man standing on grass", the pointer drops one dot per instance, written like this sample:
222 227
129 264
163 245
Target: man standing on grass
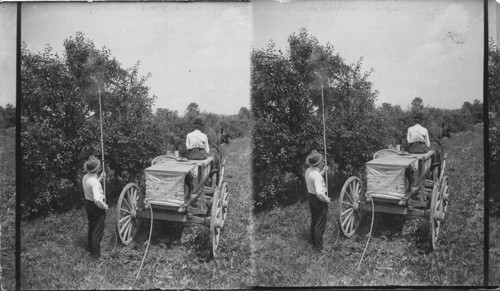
95 205
318 200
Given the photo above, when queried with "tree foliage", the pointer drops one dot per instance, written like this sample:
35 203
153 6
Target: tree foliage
288 90
7 116
494 125
61 122
294 92
65 99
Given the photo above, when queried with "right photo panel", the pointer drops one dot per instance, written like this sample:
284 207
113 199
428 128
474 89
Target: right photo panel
494 140
368 144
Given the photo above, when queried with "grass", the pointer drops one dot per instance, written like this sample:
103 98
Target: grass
494 251
7 208
397 254
54 255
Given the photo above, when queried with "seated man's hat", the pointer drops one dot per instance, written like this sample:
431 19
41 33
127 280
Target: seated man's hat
198 121
419 116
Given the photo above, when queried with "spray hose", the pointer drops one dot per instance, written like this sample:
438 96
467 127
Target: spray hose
149 241
369 234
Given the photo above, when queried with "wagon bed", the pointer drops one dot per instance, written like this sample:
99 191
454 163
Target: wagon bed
399 183
165 180
163 194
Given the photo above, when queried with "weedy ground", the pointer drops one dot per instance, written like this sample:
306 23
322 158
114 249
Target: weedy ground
494 251
7 208
398 251
54 255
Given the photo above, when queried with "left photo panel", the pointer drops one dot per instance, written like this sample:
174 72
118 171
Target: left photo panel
8 35
135 147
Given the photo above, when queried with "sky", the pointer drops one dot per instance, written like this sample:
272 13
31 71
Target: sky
200 52
195 52
420 48
8 18
494 20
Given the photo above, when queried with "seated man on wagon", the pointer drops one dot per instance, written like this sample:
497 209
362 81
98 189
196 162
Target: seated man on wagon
197 142
418 136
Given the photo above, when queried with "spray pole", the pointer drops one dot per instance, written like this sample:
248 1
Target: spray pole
324 132
102 138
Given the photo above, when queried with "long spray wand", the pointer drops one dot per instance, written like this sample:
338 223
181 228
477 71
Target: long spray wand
102 137
324 132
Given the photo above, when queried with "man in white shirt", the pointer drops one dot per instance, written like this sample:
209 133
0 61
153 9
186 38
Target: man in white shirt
318 199
418 136
197 142
95 205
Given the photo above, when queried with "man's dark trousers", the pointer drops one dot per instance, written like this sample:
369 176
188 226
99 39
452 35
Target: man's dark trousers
96 217
319 210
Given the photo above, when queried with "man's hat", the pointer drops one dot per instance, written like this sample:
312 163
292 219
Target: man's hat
419 115
314 158
92 165
198 121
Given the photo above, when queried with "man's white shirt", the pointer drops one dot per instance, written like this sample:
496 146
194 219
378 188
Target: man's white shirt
418 133
197 139
316 183
93 190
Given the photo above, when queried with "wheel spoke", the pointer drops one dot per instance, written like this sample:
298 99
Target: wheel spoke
348 195
348 215
129 230
348 210
346 219
123 227
356 188
130 200
128 205
125 210
347 203
127 217
350 225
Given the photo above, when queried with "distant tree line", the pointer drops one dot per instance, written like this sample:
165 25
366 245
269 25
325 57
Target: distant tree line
7 116
288 90
60 124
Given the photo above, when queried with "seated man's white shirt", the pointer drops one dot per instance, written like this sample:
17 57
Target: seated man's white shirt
197 139
93 190
418 133
316 183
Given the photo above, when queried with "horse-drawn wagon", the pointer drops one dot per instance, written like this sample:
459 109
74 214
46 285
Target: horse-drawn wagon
175 189
399 183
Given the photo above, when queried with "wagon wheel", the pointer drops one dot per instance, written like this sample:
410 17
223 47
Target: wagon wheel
445 188
126 213
350 214
220 177
436 214
225 200
443 165
217 218
215 178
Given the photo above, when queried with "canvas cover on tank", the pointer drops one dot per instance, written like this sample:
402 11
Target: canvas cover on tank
165 180
386 176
